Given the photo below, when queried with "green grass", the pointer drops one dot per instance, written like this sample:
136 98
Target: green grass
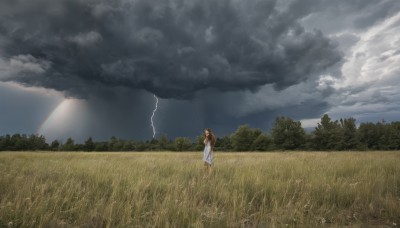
288 189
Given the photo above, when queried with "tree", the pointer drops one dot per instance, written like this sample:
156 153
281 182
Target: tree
115 144
182 144
153 145
243 138
89 145
5 142
22 142
288 134
199 142
262 143
55 145
69 145
395 136
128 146
14 142
163 143
224 143
140 146
38 142
368 135
328 135
101 146
349 133
389 139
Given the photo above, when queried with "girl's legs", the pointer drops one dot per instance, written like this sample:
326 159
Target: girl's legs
207 168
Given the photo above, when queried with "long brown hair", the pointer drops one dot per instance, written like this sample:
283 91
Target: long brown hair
211 136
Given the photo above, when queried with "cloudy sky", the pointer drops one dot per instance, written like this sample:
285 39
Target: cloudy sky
80 68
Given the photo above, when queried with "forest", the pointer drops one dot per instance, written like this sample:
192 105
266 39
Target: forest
285 134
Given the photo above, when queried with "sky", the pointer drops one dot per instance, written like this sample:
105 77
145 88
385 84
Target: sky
91 68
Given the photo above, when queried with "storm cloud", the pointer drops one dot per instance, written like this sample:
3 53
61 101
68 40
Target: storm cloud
171 48
215 64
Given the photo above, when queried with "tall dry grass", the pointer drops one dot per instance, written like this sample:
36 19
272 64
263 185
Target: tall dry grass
293 189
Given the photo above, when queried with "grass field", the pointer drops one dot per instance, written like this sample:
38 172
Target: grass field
282 189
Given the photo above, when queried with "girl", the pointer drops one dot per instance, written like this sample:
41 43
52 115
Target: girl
209 142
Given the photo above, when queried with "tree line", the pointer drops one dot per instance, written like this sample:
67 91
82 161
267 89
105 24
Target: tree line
286 134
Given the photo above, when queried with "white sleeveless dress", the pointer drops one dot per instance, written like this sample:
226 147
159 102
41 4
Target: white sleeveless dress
208 155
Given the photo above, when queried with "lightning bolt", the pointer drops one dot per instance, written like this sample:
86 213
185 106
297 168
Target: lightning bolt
151 119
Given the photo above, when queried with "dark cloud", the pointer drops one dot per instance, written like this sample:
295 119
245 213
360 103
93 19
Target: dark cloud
170 48
125 114
220 112
217 64
224 112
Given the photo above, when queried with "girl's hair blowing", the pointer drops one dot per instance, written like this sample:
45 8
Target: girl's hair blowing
211 136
